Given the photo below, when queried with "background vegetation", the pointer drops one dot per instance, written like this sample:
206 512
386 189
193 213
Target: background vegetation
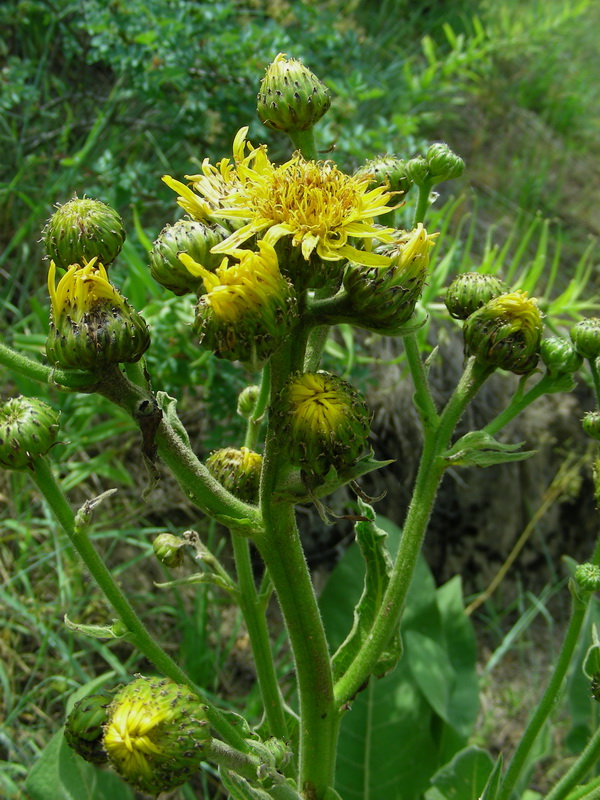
101 98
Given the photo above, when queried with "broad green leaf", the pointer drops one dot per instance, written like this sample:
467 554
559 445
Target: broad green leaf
371 541
464 778
430 669
493 782
60 774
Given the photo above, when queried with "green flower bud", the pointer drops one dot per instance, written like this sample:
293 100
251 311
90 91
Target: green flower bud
81 230
169 550
587 577
384 298
506 333
28 429
591 424
237 470
185 236
417 171
248 308
323 422
388 171
91 324
585 336
291 97
444 165
559 356
155 733
470 291
247 401
84 728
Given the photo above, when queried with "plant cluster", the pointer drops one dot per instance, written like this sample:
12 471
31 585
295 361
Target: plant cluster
277 255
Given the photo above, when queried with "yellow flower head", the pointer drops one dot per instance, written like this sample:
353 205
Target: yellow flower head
80 289
321 208
154 734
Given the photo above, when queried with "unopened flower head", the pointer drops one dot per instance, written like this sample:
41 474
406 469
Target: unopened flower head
189 236
169 549
28 430
585 336
506 332
385 299
315 205
323 420
81 230
237 470
91 323
155 733
248 307
470 291
389 172
291 97
559 356
84 728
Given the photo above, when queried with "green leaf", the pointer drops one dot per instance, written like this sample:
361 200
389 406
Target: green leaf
480 449
371 541
464 778
240 789
493 782
60 774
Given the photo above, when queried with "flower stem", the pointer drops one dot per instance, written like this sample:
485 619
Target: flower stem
259 638
518 403
579 605
595 377
423 203
423 399
305 142
23 365
585 762
138 635
256 418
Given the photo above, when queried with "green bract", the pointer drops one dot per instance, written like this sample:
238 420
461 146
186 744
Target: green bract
28 429
470 291
585 336
237 470
84 727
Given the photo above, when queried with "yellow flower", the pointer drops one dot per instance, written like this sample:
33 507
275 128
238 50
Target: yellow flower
321 208
80 289
128 737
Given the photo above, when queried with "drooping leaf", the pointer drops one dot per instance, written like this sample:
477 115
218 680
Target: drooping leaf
480 449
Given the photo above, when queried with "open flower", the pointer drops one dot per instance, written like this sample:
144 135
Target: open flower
321 209
91 323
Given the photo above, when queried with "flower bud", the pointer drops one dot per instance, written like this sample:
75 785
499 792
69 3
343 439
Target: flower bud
588 577
91 324
585 336
28 429
185 236
470 291
384 298
169 549
444 165
247 401
417 171
506 333
323 422
81 230
559 356
591 424
248 308
388 171
155 733
84 727
291 97
237 470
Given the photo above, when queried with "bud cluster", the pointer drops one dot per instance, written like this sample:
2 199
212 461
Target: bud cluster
439 164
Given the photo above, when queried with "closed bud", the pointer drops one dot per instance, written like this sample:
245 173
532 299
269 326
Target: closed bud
470 291
559 356
91 324
81 230
585 336
443 163
155 734
323 422
587 577
384 299
388 171
186 236
237 470
247 401
84 728
248 308
591 424
169 550
506 332
28 429
417 171
291 97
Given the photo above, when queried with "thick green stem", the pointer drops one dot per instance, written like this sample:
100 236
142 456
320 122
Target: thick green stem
431 469
23 365
596 378
138 635
259 637
423 203
586 761
305 142
256 418
579 605
423 399
245 764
